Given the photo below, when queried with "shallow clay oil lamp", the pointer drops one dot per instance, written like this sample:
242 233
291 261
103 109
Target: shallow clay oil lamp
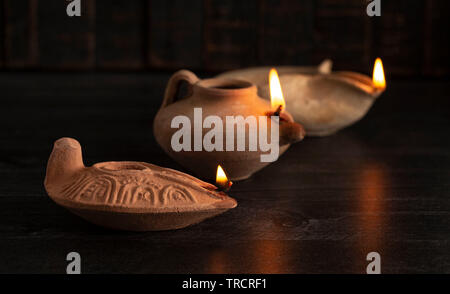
219 99
322 101
258 75
133 196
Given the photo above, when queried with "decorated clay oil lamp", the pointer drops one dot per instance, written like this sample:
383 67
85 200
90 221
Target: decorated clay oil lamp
133 196
221 120
324 102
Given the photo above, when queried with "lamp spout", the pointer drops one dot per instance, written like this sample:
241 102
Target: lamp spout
359 83
290 131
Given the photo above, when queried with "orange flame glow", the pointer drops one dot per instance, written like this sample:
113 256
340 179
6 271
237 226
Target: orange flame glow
221 177
276 94
378 74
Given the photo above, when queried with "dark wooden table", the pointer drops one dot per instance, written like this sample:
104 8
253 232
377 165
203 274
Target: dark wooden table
381 185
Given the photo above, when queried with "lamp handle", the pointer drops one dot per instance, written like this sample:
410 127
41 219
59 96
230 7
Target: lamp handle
174 84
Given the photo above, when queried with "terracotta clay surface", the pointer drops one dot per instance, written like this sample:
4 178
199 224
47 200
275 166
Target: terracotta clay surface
322 101
134 196
259 75
222 98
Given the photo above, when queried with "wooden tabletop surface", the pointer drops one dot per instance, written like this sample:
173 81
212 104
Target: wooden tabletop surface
381 185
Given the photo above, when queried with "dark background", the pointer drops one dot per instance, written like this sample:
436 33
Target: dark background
380 185
206 35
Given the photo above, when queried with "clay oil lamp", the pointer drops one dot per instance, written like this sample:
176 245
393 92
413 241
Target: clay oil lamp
127 195
187 122
324 102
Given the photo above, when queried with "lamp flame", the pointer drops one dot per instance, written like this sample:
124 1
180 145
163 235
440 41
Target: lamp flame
378 74
221 177
276 94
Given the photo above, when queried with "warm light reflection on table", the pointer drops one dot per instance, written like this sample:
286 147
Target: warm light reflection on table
372 216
